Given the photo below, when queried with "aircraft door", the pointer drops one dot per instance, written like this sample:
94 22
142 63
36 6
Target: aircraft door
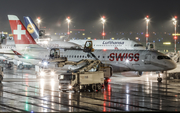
147 59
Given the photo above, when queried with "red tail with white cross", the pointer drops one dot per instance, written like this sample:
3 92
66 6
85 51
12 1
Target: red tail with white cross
20 34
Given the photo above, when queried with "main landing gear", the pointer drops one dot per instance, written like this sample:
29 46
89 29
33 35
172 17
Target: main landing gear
159 79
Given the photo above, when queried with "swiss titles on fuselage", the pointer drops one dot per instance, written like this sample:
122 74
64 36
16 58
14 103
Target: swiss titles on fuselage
126 56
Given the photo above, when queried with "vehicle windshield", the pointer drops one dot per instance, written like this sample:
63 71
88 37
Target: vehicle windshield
163 57
67 77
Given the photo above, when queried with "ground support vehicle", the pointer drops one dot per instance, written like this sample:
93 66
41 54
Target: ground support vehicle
91 81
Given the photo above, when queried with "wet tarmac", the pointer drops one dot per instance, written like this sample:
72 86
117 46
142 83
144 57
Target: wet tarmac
20 91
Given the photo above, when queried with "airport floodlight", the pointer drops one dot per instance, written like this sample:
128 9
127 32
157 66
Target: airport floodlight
175 37
103 22
147 22
68 21
38 21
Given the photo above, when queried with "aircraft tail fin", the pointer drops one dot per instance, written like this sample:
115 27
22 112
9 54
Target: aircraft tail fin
21 36
31 27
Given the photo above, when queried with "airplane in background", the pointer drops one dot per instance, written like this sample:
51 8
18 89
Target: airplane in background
112 44
34 31
47 43
119 60
97 44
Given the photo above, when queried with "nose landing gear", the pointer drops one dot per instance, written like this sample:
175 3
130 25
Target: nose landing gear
159 79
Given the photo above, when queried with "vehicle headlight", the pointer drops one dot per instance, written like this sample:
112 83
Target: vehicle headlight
59 87
52 73
70 87
42 73
45 63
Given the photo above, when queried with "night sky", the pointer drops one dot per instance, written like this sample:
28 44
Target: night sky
121 15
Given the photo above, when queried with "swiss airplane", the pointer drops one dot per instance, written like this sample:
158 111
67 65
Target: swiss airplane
34 32
120 60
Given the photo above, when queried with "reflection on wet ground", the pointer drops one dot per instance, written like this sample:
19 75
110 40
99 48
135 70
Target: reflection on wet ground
21 91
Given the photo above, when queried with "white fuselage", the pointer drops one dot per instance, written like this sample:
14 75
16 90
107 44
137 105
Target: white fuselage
112 44
120 60
126 60
6 48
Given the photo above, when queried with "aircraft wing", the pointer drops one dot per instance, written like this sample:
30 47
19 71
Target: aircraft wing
7 53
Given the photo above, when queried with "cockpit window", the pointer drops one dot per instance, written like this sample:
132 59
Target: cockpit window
163 57
138 45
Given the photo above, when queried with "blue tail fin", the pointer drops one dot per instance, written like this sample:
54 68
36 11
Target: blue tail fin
31 27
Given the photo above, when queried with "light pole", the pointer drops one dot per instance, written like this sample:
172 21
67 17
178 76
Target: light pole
147 35
68 21
103 21
175 37
38 21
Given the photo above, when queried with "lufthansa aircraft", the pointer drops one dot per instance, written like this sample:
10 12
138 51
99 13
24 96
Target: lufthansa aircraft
112 44
97 44
120 60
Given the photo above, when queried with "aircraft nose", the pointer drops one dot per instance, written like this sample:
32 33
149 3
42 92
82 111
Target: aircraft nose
172 65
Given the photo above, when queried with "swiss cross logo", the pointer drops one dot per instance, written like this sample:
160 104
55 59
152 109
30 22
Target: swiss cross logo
19 32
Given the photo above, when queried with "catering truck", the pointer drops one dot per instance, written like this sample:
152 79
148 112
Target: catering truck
81 81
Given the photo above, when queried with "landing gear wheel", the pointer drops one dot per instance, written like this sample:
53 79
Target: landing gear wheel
1 78
140 73
93 87
76 88
159 80
99 87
